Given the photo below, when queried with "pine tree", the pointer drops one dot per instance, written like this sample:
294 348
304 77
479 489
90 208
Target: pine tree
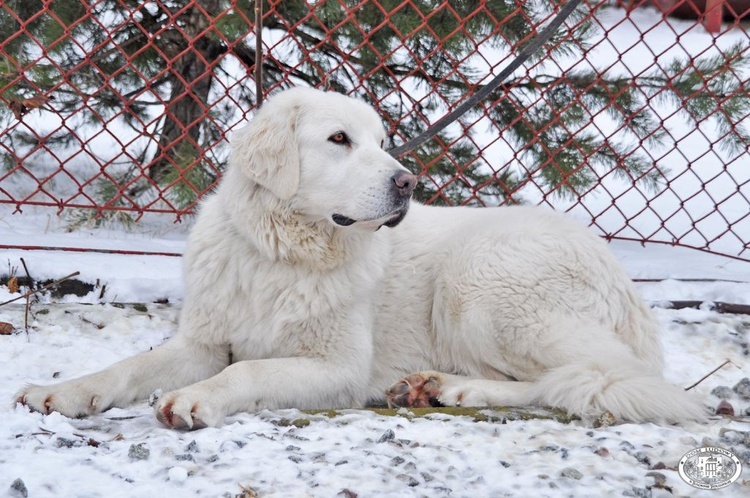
175 71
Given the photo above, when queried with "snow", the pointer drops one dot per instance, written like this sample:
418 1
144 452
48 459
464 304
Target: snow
126 452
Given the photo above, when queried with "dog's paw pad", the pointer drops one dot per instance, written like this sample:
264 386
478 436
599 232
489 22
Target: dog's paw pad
417 390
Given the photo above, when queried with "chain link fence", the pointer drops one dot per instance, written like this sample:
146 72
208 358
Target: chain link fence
628 119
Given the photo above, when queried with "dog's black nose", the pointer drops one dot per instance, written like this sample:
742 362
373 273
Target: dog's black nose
405 182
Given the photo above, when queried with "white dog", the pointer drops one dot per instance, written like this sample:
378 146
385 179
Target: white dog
297 298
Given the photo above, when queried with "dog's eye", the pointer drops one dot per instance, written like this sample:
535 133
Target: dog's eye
340 138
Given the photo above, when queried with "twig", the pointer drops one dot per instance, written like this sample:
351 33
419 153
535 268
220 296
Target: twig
44 288
28 299
25 268
709 374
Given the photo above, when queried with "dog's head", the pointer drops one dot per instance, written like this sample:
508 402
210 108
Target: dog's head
323 152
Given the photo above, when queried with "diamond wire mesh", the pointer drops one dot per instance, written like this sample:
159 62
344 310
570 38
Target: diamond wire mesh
124 107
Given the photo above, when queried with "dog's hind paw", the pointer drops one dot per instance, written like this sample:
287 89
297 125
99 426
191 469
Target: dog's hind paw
417 390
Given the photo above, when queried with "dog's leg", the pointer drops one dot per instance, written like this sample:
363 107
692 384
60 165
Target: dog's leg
172 365
432 388
305 383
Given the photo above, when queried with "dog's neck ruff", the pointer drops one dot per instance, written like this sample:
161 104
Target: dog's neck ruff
281 234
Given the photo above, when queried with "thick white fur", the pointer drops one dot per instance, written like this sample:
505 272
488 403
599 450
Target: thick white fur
504 306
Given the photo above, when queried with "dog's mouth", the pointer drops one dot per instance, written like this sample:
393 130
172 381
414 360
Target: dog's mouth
390 220
342 220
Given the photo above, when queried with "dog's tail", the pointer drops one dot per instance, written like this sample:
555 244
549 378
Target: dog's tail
630 393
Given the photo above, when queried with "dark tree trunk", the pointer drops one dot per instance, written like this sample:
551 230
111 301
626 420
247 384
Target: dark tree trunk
190 80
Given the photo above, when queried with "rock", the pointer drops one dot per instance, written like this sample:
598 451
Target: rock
660 480
571 473
722 392
742 388
397 460
602 452
724 408
409 480
637 492
192 447
139 451
642 457
606 419
388 435
731 436
18 489
62 442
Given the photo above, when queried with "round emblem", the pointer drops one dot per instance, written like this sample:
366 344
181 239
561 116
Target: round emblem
709 468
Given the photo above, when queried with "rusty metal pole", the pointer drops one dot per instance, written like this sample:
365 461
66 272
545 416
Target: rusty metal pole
258 52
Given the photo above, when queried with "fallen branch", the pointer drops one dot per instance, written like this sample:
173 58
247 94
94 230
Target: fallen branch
717 306
42 289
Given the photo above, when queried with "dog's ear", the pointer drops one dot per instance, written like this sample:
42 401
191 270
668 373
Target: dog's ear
267 151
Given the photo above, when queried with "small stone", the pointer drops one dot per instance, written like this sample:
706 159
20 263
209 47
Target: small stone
602 452
627 446
731 436
427 477
192 447
742 388
18 489
660 479
743 455
659 466
139 451
62 442
642 457
291 447
213 458
724 408
185 457
722 392
341 462
295 458
571 473
388 435
397 460
504 463
409 480
637 492
606 419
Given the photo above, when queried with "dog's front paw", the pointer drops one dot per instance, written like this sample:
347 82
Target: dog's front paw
72 399
187 409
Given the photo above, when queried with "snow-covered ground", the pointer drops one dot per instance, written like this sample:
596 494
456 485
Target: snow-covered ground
126 452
